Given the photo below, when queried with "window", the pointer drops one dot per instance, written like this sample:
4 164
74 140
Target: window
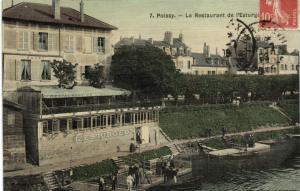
213 72
87 122
63 125
100 44
285 67
189 64
46 72
293 68
209 72
282 67
43 41
23 40
196 72
26 70
11 119
68 43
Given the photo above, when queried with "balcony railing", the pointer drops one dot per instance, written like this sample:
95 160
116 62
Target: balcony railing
95 107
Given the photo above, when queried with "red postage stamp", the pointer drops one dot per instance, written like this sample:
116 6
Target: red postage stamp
280 13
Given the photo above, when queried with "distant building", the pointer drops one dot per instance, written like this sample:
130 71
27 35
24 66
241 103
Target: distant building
209 64
36 34
14 154
175 47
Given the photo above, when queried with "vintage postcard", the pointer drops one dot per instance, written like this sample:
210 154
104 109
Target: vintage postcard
155 95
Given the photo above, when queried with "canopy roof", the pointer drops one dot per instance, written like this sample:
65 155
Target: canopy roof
78 91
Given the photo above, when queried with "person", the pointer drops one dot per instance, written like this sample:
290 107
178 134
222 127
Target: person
209 132
136 176
101 184
129 181
163 169
114 181
223 132
175 175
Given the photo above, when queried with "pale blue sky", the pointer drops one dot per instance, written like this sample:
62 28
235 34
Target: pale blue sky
132 18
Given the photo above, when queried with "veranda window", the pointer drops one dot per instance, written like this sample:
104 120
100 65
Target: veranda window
26 70
46 73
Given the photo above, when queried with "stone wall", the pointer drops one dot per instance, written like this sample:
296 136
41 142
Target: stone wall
89 143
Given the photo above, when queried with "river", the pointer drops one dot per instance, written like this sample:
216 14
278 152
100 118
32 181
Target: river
283 177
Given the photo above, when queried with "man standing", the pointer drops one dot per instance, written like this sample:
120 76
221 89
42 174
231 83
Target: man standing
101 184
113 181
129 181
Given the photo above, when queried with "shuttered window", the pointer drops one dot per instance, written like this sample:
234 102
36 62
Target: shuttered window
99 44
68 43
43 41
23 40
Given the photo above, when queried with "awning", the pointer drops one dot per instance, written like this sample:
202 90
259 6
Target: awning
79 91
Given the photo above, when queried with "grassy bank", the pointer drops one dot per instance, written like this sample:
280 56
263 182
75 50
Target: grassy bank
192 121
217 143
147 155
94 170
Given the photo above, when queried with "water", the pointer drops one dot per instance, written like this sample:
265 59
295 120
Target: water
284 177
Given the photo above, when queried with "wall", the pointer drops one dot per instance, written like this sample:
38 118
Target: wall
81 144
14 156
184 63
203 70
290 62
14 51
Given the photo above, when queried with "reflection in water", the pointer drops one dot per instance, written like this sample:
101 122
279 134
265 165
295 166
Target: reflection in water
284 177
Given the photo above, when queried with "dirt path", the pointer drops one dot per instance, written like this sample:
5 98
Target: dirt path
266 129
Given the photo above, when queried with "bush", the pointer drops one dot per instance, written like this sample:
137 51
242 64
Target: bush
147 155
94 170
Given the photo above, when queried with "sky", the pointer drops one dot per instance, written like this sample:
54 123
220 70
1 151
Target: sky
132 18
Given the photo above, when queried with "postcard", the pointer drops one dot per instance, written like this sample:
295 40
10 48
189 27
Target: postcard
150 95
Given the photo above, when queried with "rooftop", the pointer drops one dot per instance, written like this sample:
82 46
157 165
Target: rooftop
43 13
77 91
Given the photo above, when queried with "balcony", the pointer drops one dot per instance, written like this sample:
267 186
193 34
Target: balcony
96 107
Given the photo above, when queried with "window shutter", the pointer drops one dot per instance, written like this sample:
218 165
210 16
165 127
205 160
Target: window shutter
79 43
66 43
55 42
26 40
106 45
95 44
36 41
20 40
18 66
82 71
78 72
36 70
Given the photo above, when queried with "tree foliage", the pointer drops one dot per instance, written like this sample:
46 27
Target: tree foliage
95 76
146 70
65 73
225 88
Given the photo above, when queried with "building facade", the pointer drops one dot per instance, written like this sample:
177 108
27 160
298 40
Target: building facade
209 64
66 125
36 34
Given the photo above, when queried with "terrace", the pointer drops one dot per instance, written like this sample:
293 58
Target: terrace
55 100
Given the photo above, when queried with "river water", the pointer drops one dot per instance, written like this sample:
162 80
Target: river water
283 177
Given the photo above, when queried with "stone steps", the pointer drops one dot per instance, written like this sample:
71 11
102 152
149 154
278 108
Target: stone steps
51 181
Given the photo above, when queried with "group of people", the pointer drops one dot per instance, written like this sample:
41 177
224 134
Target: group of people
135 176
166 168
102 182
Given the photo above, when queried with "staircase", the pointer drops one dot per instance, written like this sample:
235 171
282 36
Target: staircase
165 135
175 149
280 110
51 181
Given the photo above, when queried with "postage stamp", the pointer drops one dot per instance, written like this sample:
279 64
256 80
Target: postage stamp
281 13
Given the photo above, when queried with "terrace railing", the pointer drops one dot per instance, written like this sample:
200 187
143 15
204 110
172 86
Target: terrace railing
95 107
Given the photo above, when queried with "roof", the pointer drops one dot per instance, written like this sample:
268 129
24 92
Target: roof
77 91
12 104
132 41
202 60
43 13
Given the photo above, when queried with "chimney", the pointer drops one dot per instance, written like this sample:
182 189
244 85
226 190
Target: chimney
56 9
12 2
81 11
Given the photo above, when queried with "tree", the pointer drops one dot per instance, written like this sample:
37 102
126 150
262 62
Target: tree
65 73
145 70
95 76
